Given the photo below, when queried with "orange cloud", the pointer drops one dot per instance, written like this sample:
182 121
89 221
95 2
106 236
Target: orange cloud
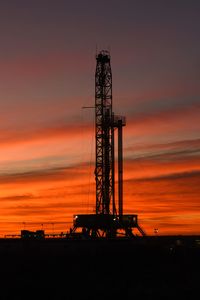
169 203
30 135
161 180
164 122
165 196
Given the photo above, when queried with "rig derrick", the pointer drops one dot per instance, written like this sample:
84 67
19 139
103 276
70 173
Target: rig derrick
109 219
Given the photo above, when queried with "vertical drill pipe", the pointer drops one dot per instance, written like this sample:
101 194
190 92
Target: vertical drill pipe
120 169
113 170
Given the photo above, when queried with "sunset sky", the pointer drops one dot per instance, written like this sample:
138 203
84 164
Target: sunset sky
47 146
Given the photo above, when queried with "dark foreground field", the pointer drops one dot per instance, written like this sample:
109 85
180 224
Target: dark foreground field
144 268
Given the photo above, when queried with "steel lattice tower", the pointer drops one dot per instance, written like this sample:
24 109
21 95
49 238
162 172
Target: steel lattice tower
104 171
109 218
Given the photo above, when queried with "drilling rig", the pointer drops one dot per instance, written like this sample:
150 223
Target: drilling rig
109 219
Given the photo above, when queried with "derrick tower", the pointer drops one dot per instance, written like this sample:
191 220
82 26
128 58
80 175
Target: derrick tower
104 171
109 218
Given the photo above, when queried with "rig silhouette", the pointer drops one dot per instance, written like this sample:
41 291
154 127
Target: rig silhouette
109 219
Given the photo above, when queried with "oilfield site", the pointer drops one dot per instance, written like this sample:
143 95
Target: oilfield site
109 220
99 150
106 253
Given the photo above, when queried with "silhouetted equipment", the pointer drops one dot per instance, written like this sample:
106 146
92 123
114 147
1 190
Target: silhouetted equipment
27 234
109 220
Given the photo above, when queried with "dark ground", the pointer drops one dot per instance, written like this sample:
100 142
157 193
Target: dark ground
142 268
